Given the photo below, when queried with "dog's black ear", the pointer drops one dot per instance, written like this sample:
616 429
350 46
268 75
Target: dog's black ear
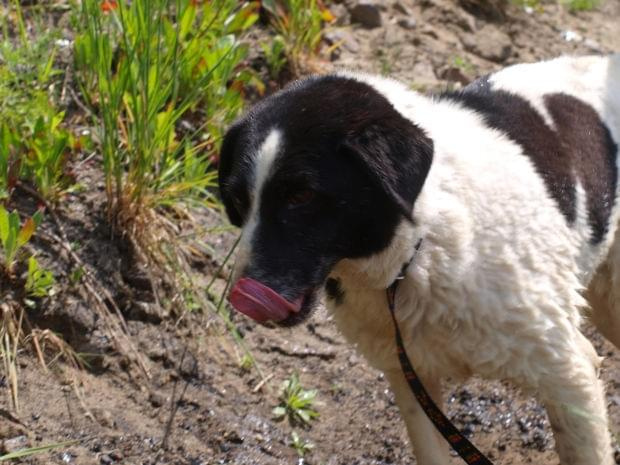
228 152
397 155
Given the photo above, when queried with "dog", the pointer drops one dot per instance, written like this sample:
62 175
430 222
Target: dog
510 189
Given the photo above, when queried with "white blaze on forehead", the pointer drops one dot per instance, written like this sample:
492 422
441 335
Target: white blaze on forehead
263 163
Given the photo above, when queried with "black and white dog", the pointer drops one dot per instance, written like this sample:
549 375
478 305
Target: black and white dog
512 186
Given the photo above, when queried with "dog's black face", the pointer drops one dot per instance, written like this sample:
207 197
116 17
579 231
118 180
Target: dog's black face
321 171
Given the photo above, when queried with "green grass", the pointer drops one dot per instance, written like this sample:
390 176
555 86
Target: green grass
573 5
34 145
299 25
147 69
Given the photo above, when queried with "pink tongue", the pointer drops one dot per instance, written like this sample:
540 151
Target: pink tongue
260 302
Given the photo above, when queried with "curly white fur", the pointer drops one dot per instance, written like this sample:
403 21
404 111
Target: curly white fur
497 288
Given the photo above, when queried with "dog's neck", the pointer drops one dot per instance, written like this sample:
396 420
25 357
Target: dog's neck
381 269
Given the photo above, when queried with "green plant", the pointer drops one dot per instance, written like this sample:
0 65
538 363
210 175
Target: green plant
147 67
39 281
13 235
464 64
275 55
300 25
46 154
581 5
296 402
301 446
9 161
33 145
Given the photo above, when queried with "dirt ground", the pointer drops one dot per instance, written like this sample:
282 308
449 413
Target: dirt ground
200 406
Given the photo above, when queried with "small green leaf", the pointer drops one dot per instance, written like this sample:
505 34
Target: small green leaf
26 232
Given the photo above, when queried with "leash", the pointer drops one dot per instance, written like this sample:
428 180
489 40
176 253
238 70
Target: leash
461 445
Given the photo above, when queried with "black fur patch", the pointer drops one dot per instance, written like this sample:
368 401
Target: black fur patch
334 290
588 144
580 148
343 141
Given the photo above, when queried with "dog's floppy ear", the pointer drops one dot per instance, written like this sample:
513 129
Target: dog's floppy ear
395 153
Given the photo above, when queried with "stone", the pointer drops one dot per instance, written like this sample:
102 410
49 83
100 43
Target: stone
489 43
593 45
455 74
367 14
156 399
15 444
407 23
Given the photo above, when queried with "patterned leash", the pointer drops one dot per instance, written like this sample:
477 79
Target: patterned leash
461 445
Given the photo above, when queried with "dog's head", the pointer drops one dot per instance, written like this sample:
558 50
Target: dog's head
321 171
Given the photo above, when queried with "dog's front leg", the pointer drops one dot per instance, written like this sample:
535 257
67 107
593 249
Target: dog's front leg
428 445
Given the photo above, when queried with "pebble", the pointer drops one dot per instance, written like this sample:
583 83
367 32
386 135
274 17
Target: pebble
156 399
407 23
14 444
367 14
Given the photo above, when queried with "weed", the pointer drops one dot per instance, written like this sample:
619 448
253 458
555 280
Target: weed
573 5
581 5
145 67
163 79
464 64
33 145
275 55
296 402
39 281
299 23
301 446
46 156
13 235
9 161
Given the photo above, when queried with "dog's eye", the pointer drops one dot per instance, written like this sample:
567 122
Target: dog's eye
300 198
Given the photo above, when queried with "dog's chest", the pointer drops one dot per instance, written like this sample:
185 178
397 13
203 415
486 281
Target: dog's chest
362 315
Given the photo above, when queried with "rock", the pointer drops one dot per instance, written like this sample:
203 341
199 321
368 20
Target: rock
367 14
407 23
454 74
489 43
105 459
593 45
103 417
15 444
156 399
